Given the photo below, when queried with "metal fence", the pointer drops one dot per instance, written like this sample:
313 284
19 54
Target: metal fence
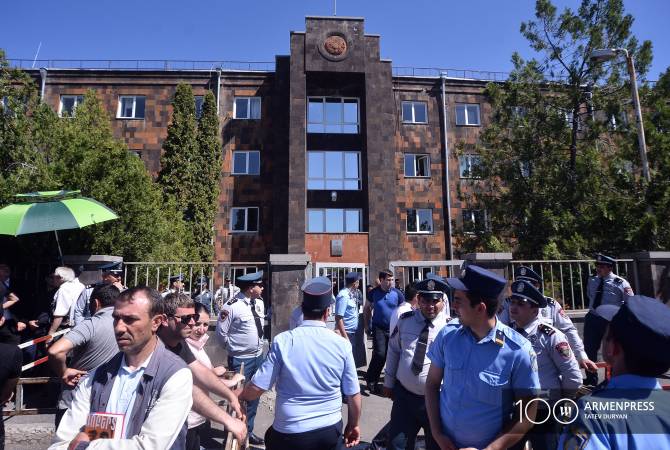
564 280
157 274
142 64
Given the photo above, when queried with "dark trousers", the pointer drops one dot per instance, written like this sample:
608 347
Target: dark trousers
408 416
251 365
327 438
193 437
543 436
594 330
380 342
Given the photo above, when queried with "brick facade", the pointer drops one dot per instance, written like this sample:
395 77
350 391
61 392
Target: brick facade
281 137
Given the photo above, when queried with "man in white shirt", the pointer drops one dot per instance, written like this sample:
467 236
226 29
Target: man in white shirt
69 289
146 383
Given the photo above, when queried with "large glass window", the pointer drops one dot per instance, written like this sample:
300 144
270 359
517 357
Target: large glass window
417 165
414 112
469 166
131 107
333 170
247 108
467 114
68 104
474 220
246 163
333 220
419 221
332 115
244 220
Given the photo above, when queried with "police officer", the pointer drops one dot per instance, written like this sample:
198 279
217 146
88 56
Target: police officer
604 288
112 273
176 285
202 294
483 367
407 366
558 369
239 329
636 347
552 314
311 368
347 304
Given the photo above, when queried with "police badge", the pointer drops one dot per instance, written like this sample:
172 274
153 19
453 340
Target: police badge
430 285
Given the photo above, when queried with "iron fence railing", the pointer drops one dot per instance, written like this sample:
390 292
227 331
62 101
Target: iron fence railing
143 64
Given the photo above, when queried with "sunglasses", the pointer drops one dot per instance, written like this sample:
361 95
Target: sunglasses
187 318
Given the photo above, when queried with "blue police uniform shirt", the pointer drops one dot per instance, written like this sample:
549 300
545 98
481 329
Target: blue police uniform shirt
596 428
384 304
346 305
481 379
311 367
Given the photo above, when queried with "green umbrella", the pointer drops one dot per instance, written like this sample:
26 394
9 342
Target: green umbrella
37 212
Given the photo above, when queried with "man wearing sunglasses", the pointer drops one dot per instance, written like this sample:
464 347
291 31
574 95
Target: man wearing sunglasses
180 318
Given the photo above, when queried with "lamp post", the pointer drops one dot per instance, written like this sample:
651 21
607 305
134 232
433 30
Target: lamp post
606 54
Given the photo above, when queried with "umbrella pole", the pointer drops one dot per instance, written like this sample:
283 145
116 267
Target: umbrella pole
60 252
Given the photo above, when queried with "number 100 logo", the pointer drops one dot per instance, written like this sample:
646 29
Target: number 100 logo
564 411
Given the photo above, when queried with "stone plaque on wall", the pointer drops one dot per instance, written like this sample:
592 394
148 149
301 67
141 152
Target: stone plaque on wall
336 247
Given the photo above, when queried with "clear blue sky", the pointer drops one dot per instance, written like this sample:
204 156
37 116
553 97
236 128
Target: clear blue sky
470 34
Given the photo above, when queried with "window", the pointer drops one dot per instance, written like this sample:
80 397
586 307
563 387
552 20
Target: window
568 115
68 104
414 112
417 165
525 168
420 221
246 163
199 101
131 107
333 220
467 114
469 166
474 220
333 171
332 115
617 121
247 108
244 220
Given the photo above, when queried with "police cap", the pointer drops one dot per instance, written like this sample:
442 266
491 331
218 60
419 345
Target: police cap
479 281
115 267
643 324
524 290
604 259
432 287
352 277
317 294
250 279
528 274
178 277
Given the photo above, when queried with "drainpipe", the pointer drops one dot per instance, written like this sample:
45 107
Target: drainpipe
218 89
446 165
43 74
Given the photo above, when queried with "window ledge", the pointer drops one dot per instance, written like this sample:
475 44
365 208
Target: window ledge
468 125
420 178
419 233
414 123
130 118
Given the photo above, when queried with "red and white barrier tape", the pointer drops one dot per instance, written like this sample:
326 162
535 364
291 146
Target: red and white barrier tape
43 338
34 363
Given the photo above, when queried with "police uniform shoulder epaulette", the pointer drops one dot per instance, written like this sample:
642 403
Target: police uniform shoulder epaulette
230 302
550 301
618 280
546 329
407 314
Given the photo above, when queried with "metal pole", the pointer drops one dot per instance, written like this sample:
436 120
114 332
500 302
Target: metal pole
638 116
446 166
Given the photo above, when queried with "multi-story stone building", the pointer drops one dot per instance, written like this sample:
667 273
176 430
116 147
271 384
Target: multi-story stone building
329 154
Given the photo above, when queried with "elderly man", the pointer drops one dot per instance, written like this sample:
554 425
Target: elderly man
69 289
146 384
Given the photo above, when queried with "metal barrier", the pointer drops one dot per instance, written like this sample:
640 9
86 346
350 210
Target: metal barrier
19 410
409 271
157 274
566 280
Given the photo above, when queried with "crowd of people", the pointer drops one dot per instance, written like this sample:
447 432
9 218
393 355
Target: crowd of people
470 370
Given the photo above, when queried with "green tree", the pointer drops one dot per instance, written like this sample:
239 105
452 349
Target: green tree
546 172
179 161
204 203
